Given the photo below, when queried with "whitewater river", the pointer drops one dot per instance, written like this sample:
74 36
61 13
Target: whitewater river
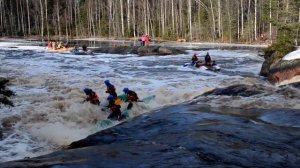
49 113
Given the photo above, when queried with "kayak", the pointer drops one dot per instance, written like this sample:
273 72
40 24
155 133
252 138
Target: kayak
205 67
60 50
81 52
105 123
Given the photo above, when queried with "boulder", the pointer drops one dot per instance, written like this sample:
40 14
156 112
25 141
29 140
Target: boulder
278 69
4 93
184 135
236 90
141 50
284 70
164 51
8 122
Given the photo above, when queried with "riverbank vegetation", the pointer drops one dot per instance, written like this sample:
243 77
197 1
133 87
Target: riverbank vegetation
247 21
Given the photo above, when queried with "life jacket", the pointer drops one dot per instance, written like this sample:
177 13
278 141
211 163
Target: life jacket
118 101
59 45
50 45
132 96
194 58
93 98
111 90
207 59
113 106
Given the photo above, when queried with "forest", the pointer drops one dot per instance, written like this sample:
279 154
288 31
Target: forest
245 21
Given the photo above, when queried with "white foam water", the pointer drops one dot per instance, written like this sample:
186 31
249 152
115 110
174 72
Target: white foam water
49 92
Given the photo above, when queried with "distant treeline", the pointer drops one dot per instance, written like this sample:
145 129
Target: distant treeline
199 20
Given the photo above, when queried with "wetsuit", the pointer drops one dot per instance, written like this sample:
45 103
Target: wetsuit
194 59
207 59
111 90
93 98
116 113
131 97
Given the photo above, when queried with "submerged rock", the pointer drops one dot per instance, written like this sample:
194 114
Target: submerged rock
181 136
4 93
141 50
8 122
236 90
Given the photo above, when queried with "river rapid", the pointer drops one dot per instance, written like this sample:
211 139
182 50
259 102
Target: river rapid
49 113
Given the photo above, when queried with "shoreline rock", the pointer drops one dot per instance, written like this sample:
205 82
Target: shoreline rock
277 70
180 136
140 50
5 93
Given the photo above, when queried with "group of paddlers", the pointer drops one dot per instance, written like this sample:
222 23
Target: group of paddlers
114 102
145 40
57 45
197 63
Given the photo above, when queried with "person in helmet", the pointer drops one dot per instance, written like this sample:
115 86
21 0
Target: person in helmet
116 113
92 97
207 59
110 89
194 59
131 97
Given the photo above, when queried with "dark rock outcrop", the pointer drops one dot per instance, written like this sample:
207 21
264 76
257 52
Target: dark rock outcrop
284 70
278 70
236 90
141 51
5 93
8 122
181 136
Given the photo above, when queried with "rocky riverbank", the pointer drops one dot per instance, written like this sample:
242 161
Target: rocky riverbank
140 50
187 135
5 93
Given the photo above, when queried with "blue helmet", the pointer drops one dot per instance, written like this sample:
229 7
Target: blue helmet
125 90
87 90
110 98
107 82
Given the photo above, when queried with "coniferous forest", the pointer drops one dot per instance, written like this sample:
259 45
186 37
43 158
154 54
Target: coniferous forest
246 21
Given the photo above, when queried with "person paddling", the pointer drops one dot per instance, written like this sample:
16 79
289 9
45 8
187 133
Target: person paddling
92 97
131 97
116 113
207 59
110 89
194 59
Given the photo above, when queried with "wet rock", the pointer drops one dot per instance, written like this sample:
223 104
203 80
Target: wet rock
267 64
284 70
4 93
3 82
278 70
236 90
9 122
180 136
141 50
164 51
1 134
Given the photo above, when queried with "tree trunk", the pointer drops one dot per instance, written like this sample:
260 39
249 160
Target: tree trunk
190 18
173 22
255 19
133 13
42 20
213 20
128 16
270 16
219 18
242 18
29 29
122 19
47 25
